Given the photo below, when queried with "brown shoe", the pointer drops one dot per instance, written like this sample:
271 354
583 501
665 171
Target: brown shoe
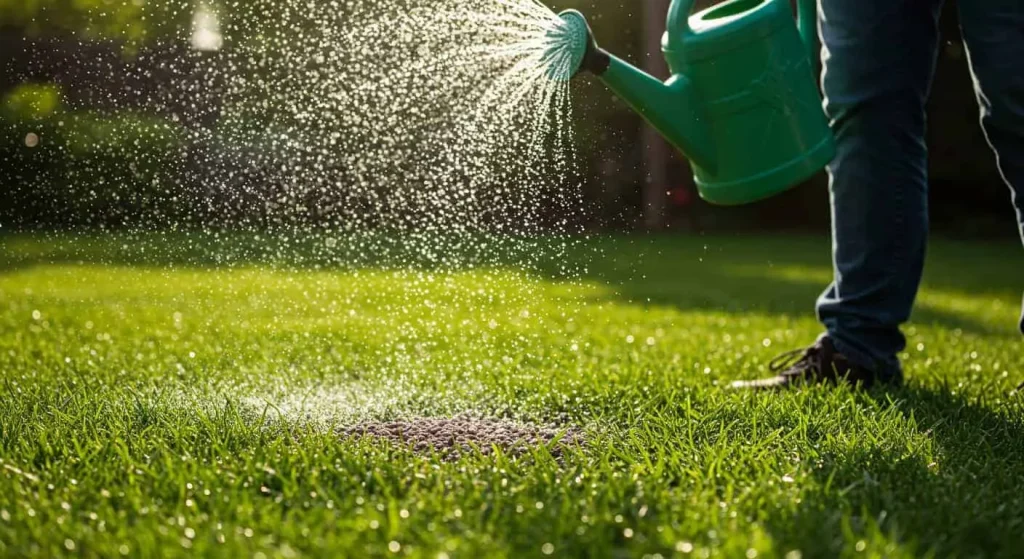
818 364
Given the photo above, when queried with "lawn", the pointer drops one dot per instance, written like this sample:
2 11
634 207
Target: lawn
184 395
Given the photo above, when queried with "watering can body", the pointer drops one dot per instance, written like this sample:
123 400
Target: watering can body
742 103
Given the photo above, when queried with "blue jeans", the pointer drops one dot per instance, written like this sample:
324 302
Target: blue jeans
879 57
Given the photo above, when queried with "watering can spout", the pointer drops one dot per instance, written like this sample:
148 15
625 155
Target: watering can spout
669 107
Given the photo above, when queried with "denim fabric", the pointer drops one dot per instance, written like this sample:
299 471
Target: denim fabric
878 60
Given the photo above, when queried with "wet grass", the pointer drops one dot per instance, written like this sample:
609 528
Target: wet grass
174 396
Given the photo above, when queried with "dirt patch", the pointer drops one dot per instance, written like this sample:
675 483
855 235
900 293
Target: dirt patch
451 437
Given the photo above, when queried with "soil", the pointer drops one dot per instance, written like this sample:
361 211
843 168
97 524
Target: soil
452 437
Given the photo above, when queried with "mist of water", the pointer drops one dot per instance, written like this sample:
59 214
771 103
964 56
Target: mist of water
429 137
423 116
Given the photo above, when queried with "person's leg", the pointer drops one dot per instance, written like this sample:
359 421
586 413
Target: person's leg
879 57
994 35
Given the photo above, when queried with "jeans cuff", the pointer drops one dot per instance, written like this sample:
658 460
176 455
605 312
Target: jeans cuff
883 370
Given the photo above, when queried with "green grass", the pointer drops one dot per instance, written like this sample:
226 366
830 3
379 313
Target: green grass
175 396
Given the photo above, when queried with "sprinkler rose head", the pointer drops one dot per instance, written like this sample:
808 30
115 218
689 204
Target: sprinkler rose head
573 49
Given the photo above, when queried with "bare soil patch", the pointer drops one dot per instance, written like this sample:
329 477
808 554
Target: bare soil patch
452 437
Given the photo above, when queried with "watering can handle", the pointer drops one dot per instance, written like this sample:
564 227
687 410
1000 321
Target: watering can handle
807 17
679 19
807 23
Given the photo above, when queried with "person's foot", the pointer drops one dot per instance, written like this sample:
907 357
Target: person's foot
817 364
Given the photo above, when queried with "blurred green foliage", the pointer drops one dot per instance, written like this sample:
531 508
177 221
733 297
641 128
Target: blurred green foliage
31 101
130 21
84 168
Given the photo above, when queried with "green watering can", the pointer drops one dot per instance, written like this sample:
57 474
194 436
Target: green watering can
742 103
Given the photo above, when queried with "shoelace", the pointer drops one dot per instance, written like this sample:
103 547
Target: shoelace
790 358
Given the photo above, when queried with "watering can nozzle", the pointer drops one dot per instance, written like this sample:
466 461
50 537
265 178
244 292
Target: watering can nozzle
573 48
668 106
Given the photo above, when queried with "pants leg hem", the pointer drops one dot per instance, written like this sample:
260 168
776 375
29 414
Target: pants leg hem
883 371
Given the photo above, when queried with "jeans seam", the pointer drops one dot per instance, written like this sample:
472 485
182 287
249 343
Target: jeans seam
899 258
